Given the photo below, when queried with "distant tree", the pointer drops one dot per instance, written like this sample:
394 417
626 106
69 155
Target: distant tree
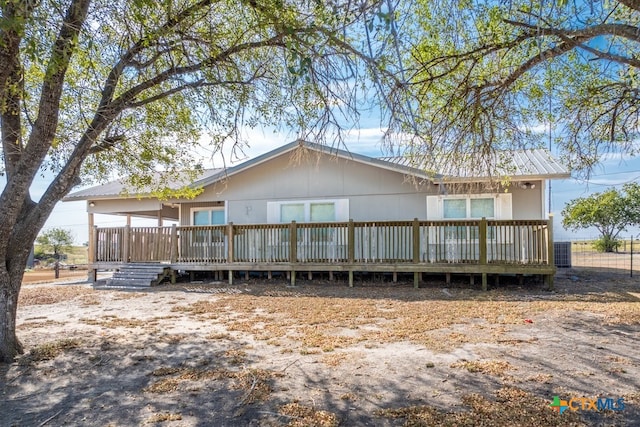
58 241
609 212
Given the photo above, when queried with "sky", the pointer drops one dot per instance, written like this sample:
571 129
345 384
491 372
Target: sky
613 171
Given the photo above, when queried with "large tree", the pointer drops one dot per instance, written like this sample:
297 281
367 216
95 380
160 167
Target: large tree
610 212
494 74
92 88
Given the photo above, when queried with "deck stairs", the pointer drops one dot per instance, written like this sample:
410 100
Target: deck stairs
136 276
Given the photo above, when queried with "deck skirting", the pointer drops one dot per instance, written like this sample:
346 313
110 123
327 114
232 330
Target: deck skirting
548 271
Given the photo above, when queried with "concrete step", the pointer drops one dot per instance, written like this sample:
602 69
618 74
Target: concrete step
120 287
157 270
135 275
129 282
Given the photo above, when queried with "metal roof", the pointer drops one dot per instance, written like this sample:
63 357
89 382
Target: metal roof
118 189
519 165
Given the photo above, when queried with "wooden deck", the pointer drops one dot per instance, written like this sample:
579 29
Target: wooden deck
482 247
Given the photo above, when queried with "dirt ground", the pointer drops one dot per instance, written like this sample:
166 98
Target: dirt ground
262 353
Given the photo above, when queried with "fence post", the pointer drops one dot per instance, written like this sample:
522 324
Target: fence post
631 265
351 249
293 250
126 244
93 254
230 243
230 254
482 234
551 251
416 251
173 254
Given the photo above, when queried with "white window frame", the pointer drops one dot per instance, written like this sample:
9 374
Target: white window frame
502 207
192 211
341 207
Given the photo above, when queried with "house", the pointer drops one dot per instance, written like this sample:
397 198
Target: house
307 207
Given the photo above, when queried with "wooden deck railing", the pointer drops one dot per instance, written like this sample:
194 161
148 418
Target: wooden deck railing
377 242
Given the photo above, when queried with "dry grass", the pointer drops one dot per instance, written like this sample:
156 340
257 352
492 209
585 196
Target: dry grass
38 324
49 351
303 416
162 417
512 407
317 323
490 367
112 321
335 359
52 295
255 383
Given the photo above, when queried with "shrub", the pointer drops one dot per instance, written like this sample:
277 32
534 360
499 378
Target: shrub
607 244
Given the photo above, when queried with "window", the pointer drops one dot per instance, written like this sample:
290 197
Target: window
308 211
468 208
207 216
292 212
322 212
474 206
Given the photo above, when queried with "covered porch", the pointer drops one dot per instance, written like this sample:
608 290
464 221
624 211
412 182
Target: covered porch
474 247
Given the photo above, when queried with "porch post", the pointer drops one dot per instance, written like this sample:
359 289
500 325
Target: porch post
351 249
173 257
293 250
230 250
550 251
483 250
91 250
416 251
126 243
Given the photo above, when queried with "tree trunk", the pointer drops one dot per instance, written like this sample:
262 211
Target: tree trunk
10 284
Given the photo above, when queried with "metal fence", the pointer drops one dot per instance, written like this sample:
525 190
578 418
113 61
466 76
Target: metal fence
581 254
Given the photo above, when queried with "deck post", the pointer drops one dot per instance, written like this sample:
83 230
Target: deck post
126 244
93 250
416 251
173 257
482 232
293 250
293 242
550 252
351 249
230 250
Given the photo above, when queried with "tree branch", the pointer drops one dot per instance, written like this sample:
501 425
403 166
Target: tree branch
631 4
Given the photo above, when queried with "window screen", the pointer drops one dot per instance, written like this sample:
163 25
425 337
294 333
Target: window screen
454 208
323 212
208 217
292 212
201 217
482 208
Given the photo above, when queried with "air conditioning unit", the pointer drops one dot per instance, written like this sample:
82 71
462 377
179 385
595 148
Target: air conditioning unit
562 254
